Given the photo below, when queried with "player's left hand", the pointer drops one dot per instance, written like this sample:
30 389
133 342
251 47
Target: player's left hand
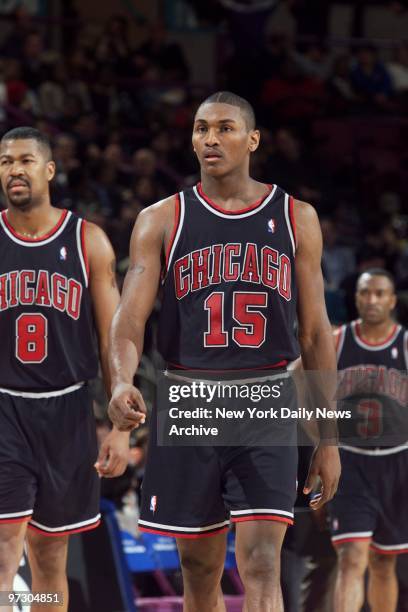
113 454
325 464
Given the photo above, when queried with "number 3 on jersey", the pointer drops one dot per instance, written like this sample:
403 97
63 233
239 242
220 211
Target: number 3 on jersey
31 338
251 331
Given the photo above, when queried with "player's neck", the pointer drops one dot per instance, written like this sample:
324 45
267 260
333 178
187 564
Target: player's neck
232 190
375 333
35 221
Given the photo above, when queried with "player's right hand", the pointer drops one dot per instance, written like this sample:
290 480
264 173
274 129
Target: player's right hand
127 409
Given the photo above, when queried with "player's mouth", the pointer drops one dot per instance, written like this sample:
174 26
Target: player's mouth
212 156
17 186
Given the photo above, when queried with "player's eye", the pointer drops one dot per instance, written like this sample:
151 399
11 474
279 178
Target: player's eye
226 128
201 129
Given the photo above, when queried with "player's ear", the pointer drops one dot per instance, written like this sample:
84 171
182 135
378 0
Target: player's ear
254 138
50 170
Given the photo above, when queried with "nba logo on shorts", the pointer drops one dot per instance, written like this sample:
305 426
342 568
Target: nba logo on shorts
271 226
63 253
153 503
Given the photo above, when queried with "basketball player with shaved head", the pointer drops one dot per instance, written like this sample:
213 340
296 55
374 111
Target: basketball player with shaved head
239 261
57 290
368 515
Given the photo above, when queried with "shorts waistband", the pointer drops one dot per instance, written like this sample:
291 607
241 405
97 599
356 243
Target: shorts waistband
42 394
377 452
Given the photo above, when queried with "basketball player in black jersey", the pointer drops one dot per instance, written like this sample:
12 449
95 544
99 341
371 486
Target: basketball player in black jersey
57 277
228 247
369 514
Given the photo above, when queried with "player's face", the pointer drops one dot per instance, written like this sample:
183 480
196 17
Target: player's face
25 172
221 139
375 298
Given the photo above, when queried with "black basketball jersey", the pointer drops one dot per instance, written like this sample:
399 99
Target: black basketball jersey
229 293
373 384
46 322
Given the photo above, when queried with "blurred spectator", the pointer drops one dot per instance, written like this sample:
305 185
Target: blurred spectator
337 261
398 68
33 59
370 78
340 86
113 49
292 169
167 56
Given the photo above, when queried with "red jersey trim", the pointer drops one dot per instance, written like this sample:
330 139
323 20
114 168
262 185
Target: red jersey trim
181 534
389 551
21 519
40 238
175 228
83 246
292 218
387 339
262 517
67 532
353 539
234 212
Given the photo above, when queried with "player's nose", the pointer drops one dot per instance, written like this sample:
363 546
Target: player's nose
211 137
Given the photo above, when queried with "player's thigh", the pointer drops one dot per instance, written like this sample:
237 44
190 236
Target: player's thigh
47 554
353 556
259 542
11 545
203 556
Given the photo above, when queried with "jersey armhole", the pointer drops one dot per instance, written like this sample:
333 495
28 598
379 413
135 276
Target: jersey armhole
340 341
83 256
175 235
405 348
290 220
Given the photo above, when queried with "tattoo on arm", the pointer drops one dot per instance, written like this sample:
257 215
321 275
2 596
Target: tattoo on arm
112 272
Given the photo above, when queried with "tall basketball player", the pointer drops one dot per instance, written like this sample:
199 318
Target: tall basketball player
56 278
229 303
368 515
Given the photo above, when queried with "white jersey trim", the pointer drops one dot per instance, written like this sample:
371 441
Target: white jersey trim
405 348
186 529
240 216
37 242
261 511
369 347
375 452
11 515
389 547
80 252
289 225
66 527
178 232
41 394
351 535
340 343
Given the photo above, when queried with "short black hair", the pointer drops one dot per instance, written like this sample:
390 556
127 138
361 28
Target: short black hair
379 272
29 133
227 97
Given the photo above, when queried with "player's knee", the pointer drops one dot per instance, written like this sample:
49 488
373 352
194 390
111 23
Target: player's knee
9 561
197 565
261 562
48 557
382 566
352 557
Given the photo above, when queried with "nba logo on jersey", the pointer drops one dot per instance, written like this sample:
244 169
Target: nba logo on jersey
335 524
153 503
394 352
63 253
271 226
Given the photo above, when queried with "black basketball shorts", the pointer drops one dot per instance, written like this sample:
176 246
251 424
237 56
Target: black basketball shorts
47 451
195 491
372 500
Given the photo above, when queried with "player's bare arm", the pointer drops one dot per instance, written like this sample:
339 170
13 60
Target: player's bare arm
113 454
127 409
315 338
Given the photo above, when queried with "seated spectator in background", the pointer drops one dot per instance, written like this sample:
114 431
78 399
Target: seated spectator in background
313 60
292 169
167 56
33 59
340 86
113 48
22 25
338 261
398 69
370 78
